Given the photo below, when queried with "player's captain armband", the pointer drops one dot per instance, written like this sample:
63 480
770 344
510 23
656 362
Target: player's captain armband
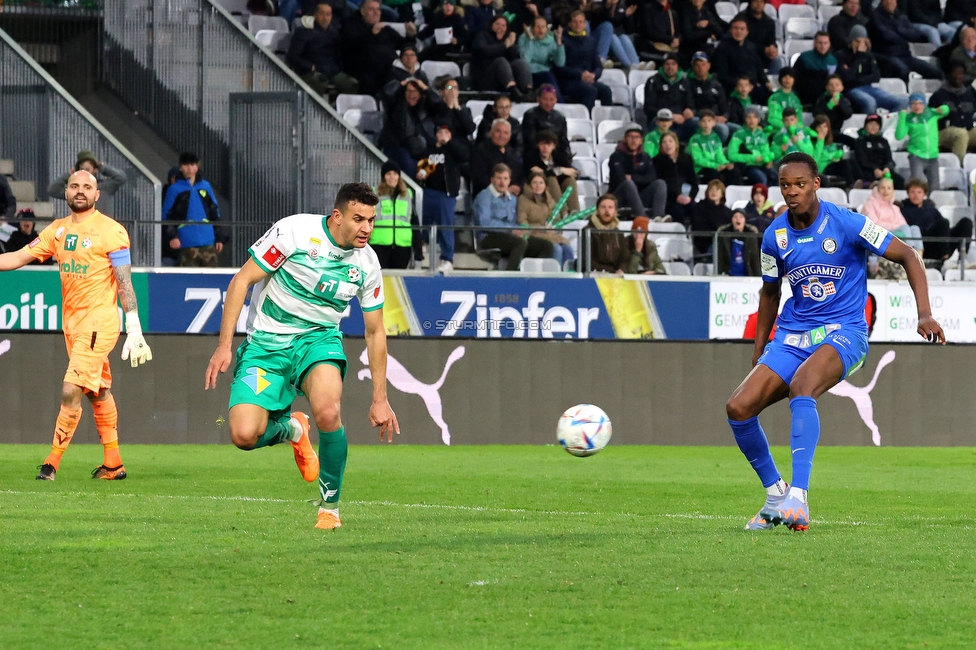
273 258
769 266
872 233
120 257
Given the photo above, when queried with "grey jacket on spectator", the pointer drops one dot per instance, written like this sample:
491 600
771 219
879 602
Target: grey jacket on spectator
109 180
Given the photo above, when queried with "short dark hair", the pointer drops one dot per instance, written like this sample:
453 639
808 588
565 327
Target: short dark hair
800 158
547 136
917 182
189 158
789 111
841 79
955 64
739 19
501 168
607 197
706 112
821 33
355 192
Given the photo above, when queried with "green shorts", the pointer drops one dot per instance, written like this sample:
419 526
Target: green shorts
271 376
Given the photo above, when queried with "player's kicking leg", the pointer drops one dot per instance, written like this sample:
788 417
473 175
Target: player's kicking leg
761 388
253 427
323 387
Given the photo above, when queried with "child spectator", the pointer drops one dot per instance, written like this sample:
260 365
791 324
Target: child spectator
760 211
829 156
792 137
783 99
872 153
663 122
921 124
749 150
710 214
738 248
644 257
708 154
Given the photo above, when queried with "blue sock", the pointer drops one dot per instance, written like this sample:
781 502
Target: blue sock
752 442
803 439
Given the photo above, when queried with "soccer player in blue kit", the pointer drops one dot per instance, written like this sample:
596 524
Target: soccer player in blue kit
822 336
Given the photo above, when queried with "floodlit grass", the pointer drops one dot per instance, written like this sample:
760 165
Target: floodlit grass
485 547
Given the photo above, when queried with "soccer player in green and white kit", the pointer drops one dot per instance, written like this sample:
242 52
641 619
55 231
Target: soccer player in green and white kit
310 267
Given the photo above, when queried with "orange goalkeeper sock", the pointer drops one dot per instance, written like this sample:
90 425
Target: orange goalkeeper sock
68 420
106 422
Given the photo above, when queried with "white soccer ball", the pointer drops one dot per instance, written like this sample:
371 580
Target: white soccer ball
583 430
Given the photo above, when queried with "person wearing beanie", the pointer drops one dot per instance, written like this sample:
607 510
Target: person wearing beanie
921 125
396 217
750 152
109 179
644 257
760 211
782 99
858 69
956 131
872 154
813 67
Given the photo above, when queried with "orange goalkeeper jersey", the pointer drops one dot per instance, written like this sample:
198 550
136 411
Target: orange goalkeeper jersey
88 287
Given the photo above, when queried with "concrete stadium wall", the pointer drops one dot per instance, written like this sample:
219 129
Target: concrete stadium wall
512 392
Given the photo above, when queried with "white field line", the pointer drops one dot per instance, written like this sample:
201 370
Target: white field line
434 506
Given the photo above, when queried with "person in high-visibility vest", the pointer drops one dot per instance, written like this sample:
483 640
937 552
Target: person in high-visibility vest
393 236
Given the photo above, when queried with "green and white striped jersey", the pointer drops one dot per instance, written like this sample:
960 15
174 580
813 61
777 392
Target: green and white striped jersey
312 278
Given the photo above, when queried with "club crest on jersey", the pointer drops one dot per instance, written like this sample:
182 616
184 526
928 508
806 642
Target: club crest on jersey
353 273
817 290
86 243
59 233
313 247
782 240
829 246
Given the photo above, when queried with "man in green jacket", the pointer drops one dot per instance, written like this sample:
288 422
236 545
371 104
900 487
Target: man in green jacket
749 150
921 124
782 99
706 152
792 137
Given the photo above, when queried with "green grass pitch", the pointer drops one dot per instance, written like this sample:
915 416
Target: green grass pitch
498 547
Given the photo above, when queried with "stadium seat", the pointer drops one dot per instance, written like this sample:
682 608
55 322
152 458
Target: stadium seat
587 188
800 28
900 158
922 49
955 275
807 118
362 102
893 85
588 168
621 94
738 205
368 122
614 76
952 179
949 160
775 195
275 23
580 130
702 268
702 188
789 12
677 268
726 10
584 149
435 69
605 150
857 197
826 12
955 213
573 111
605 171
478 106
399 28
677 229
795 47
610 131
923 85
637 78
639 96
933 275
676 248
539 265
478 119
519 109
735 193
855 121
833 195
948 198
236 7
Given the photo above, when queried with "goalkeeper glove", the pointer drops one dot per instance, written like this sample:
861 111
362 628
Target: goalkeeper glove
135 345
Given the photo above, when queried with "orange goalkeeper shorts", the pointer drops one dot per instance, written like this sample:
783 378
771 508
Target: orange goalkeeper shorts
88 365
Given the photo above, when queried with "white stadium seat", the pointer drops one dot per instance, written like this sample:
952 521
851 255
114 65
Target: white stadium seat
948 198
539 265
573 111
435 69
580 130
679 268
614 76
362 102
637 78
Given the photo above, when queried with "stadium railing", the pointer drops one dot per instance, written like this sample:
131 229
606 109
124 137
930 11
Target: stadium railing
268 142
44 128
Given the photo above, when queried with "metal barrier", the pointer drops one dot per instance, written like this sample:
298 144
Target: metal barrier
267 141
44 128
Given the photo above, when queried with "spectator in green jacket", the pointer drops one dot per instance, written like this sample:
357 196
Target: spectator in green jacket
749 150
792 137
543 50
707 153
663 122
782 99
739 100
830 156
921 124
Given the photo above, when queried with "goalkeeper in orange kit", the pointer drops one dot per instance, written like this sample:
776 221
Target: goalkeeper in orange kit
92 252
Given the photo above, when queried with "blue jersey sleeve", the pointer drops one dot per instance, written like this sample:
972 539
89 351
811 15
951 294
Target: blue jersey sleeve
772 265
867 234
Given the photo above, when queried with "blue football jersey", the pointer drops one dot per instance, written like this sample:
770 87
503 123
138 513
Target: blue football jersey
825 265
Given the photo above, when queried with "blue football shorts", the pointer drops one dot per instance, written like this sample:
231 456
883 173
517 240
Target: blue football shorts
784 354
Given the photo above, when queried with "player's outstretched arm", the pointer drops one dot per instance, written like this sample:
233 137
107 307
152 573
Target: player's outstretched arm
898 251
15 259
135 348
249 275
380 413
769 296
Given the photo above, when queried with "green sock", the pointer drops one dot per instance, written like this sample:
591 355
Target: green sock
278 431
332 465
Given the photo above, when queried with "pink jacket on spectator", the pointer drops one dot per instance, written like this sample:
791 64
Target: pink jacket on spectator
883 212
